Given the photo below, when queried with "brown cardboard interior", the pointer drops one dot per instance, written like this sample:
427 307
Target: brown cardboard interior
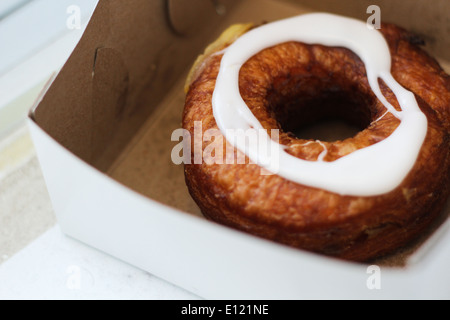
428 19
118 99
126 62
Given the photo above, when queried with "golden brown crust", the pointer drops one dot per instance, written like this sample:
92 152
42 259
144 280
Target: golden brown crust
355 228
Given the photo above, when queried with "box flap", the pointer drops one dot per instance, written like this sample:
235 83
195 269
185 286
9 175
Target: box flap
120 71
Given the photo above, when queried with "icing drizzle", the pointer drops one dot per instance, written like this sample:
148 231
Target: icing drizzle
370 171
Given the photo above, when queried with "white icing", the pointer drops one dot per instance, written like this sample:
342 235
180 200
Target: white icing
370 171
324 152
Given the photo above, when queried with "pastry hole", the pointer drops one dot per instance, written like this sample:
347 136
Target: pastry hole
328 130
319 109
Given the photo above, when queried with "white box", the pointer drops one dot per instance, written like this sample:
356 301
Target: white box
112 184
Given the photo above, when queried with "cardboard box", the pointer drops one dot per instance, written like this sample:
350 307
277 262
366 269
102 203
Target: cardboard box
103 136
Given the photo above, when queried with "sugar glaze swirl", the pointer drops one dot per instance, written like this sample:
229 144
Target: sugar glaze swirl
371 171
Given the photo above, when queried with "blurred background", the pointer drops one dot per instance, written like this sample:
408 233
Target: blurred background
36 38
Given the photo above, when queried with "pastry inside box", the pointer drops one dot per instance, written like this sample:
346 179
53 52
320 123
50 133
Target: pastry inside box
138 138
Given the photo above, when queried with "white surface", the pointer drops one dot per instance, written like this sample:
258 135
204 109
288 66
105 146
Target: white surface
57 267
7 6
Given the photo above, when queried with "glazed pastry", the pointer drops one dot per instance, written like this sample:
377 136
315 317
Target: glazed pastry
355 199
